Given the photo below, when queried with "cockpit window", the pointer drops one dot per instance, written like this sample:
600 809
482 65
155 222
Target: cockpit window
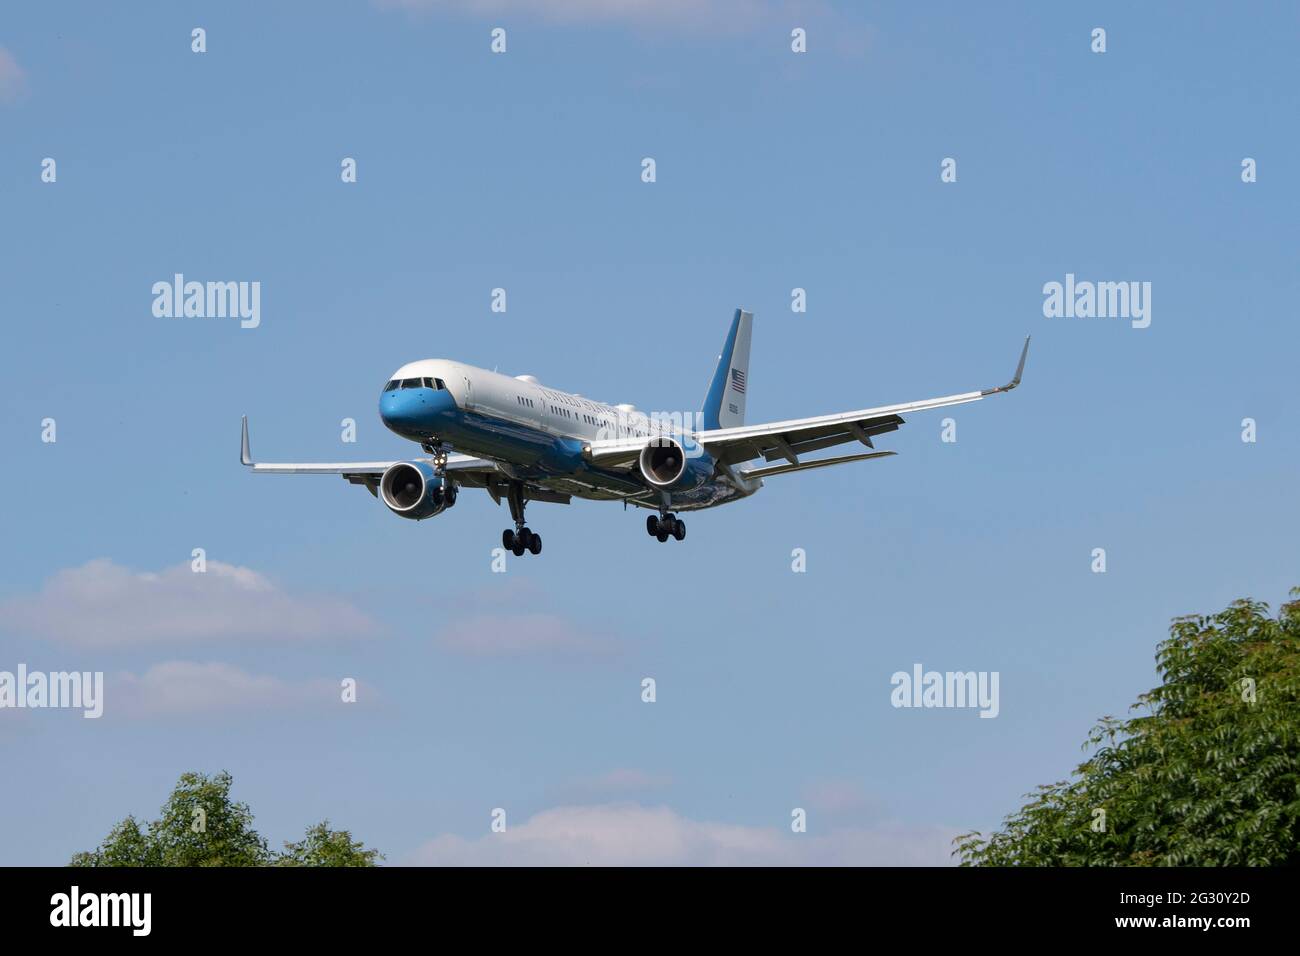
424 382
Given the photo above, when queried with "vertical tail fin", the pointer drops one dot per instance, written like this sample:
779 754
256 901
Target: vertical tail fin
724 405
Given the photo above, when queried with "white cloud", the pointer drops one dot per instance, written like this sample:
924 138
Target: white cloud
627 778
181 688
629 834
835 29
621 783
679 13
842 800
523 633
683 16
102 604
13 79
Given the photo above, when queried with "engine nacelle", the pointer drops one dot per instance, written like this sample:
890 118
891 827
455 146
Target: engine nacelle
412 489
666 464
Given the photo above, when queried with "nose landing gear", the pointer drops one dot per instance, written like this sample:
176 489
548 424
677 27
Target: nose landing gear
439 453
665 526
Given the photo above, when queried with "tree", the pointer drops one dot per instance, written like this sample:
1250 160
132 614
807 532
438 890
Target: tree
200 825
126 845
1209 776
325 847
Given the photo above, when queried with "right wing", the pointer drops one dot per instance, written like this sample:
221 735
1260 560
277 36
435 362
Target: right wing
782 469
788 440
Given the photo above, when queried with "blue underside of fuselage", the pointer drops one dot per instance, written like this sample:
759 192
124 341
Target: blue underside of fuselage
522 451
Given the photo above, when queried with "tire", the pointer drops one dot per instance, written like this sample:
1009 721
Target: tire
652 525
518 549
679 530
525 536
662 536
535 544
508 539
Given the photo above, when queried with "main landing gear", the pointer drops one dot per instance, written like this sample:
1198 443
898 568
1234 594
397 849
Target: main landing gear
525 539
665 526
520 538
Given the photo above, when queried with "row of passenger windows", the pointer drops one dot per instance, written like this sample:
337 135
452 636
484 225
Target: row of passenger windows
589 419
426 382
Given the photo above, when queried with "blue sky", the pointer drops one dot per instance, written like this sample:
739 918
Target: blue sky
775 170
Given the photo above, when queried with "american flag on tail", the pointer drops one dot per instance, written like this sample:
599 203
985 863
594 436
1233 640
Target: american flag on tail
738 380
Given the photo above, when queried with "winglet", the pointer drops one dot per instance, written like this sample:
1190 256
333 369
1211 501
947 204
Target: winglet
244 457
1020 370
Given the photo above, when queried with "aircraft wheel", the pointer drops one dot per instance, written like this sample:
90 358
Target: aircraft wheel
525 536
679 529
508 539
652 525
535 543
662 535
519 548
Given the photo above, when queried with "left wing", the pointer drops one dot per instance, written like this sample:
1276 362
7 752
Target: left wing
790 439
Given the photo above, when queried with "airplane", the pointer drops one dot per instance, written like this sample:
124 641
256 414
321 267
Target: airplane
523 441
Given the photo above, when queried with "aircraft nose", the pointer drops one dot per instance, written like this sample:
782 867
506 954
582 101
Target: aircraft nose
415 412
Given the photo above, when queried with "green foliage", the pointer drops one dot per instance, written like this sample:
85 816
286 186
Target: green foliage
126 845
1207 777
201 825
325 847
226 836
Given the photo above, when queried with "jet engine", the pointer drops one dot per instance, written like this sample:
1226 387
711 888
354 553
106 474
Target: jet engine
412 489
666 464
